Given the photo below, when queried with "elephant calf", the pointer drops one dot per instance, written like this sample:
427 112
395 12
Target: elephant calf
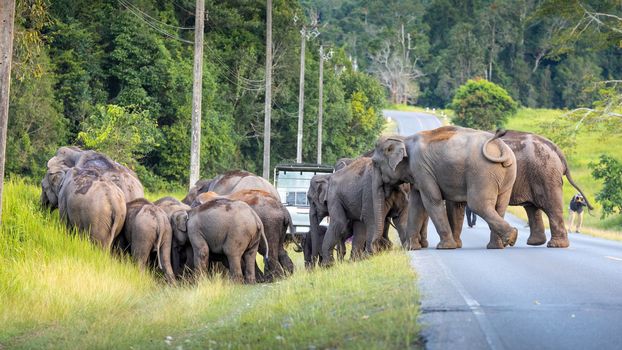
275 219
226 227
147 228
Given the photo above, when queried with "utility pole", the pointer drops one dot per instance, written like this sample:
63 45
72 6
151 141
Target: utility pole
320 115
268 100
7 15
305 34
301 98
197 87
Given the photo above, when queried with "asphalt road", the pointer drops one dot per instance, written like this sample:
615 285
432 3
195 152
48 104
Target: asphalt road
521 297
412 122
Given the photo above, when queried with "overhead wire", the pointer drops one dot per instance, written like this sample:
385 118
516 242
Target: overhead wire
234 78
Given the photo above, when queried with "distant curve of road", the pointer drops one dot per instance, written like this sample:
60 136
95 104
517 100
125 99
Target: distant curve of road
521 297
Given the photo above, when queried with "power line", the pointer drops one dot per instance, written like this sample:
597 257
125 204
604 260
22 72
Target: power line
127 4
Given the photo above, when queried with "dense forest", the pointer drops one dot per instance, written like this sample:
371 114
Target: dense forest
116 75
422 51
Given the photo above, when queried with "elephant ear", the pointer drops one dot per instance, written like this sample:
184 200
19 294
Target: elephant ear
322 190
395 152
181 220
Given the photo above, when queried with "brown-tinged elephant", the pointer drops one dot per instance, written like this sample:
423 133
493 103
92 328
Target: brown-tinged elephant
349 199
225 227
448 163
230 182
93 204
276 220
540 168
148 229
70 156
182 258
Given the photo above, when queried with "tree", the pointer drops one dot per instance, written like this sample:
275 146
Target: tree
610 196
483 105
126 134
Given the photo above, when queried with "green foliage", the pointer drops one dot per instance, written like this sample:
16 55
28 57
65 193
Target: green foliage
609 170
480 104
126 134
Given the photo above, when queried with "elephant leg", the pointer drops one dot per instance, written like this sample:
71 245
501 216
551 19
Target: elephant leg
286 262
140 251
423 233
433 203
335 228
417 218
200 254
235 268
165 260
249 259
493 215
359 238
455 214
536 226
554 209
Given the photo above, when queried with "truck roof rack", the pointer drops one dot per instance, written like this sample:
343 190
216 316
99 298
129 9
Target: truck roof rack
304 167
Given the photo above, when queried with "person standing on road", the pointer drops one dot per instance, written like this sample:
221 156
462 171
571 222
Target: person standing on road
576 208
471 217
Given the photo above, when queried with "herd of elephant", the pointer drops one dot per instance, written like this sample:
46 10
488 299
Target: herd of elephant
227 220
403 182
433 174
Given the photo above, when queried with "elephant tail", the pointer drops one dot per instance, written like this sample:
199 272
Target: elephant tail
159 243
505 158
289 223
569 177
117 218
262 234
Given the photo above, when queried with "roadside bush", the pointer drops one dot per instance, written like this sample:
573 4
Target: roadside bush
610 196
480 104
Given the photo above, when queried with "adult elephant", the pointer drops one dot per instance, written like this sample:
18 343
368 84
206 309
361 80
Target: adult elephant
276 220
68 157
182 258
448 163
224 227
91 203
540 168
147 228
230 182
349 199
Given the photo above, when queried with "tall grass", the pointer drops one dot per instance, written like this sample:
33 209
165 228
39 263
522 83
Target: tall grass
58 291
590 144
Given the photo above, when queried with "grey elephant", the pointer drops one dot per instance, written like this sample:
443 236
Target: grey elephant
182 258
230 182
222 227
541 166
349 199
276 220
89 202
147 228
448 163
70 156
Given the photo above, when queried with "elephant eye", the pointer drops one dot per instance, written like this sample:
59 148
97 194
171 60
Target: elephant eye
390 149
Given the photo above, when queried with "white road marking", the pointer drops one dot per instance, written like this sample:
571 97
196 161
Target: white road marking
489 332
613 258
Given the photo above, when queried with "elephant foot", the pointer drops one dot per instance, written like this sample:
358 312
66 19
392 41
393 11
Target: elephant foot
249 280
424 243
327 262
536 240
447 244
286 263
458 243
381 244
558 243
410 245
510 237
495 244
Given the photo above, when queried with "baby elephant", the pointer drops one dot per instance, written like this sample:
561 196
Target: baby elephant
147 228
226 227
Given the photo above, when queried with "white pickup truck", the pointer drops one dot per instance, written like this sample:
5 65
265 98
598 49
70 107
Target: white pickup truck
292 183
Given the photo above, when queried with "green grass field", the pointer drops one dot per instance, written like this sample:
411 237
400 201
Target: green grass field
58 291
589 147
